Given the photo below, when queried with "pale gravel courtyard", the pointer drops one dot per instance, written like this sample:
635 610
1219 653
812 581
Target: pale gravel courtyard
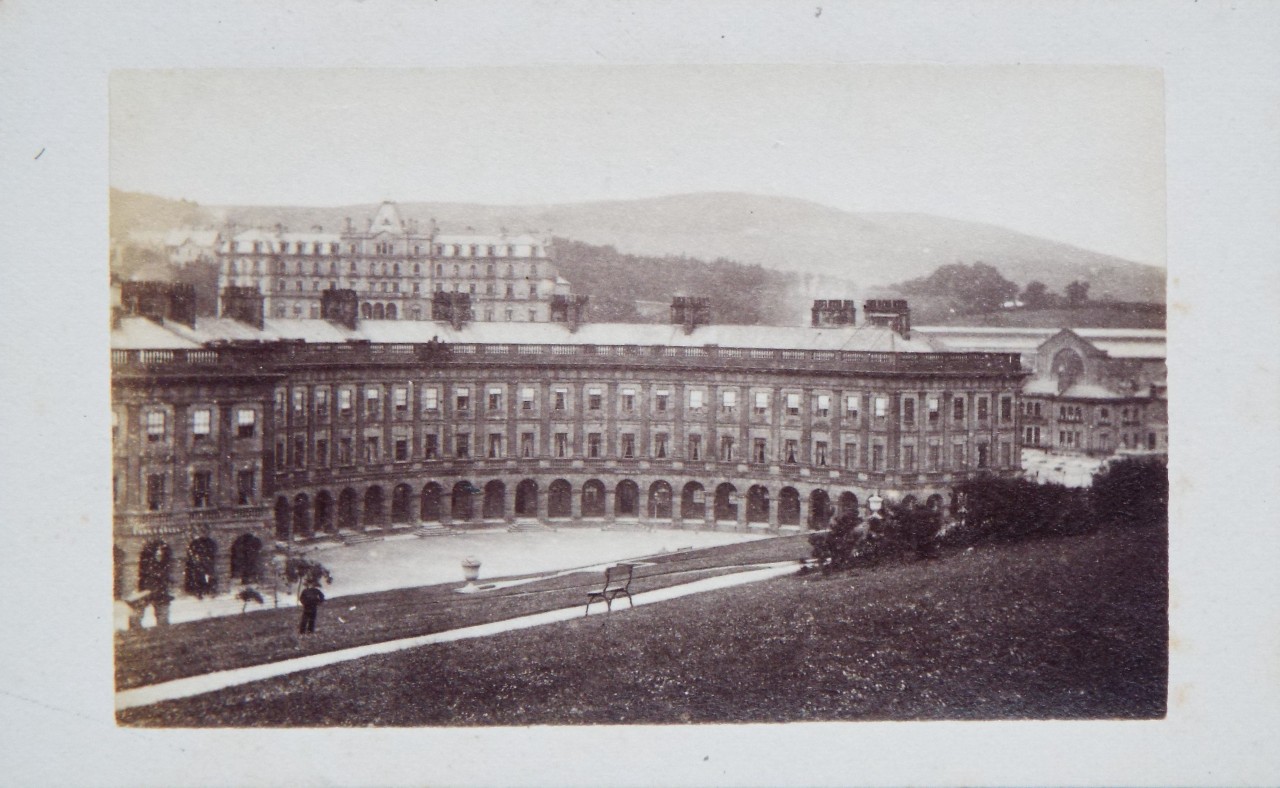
404 561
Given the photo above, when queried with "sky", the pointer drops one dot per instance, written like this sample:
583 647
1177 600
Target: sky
1074 154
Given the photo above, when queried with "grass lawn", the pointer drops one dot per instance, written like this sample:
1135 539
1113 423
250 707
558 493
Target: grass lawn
1055 628
267 635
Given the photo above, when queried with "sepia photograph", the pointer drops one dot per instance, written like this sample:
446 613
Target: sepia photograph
845 385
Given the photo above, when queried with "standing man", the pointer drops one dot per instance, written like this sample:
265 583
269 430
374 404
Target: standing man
310 598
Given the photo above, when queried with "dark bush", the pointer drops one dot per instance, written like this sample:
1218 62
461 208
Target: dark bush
1131 491
1013 509
835 547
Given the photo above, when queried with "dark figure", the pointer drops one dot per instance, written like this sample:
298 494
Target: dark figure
311 597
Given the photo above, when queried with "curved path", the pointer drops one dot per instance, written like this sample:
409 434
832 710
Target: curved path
211 682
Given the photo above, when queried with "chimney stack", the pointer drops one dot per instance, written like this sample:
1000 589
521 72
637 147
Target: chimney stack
570 309
690 312
340 306
890 313
244 304
159 301
833 313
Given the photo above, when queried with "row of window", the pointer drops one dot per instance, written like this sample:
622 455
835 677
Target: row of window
1076 413
628 401
391 248
156 493
490 288
562 447
156 427
389 311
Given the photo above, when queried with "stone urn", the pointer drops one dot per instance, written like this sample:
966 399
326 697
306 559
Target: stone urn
471 570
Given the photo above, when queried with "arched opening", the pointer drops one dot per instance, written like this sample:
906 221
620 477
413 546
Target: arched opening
757 504
378 312
820 509
627 499
527 498
374 507
560 499
155 567
593 498
462 503
301 516
495 499
847 502
391 311
660 500
200 575
348 510
366 311
432 503
789 506
934 503
401 504
324 512
246 558
282 518
693 502
726 507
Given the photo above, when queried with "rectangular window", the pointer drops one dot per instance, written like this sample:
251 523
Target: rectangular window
593 445
561 397
321 401
462 398
280 458
155 492
983 455
431 447
789 450
495 446
155 426
660 400
957 410
344 402
495 399
933 411
958 459
562 444
877 457
935 457
982 409
1006 409
881 405
628 400
299 402
400 399
431 399
526 398
762 403
660 446
851 402
628 445
371 449
729 399
695 398
726 448
759 451
299 451
372 403
201 423
402 449
1006 455
793 404
595 399
909 459
908 411
245 487
201 489
462 448
820 453
851 455
346 455
824 405
526 444
695 447
322 452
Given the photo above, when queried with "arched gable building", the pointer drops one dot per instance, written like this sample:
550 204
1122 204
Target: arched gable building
389 424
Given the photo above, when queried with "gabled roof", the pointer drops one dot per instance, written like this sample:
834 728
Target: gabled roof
387 219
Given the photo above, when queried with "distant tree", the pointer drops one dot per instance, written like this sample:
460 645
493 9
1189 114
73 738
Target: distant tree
976 288
1131 491
1077 293
1034 295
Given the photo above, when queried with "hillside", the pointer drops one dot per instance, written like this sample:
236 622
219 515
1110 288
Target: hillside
871 249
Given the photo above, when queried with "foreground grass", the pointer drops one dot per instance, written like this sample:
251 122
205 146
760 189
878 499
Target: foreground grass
1061 628
161 654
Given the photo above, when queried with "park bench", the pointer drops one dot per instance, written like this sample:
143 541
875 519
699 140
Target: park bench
617 581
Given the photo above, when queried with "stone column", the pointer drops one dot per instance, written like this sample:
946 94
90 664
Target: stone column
609 494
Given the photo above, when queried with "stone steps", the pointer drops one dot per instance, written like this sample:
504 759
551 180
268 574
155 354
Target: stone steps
529 526
359 538
427 530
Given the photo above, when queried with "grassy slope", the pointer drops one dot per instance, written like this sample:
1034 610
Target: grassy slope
153 655
1065 628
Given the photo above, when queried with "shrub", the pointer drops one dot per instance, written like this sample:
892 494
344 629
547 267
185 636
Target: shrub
1013 509
304 572
834 548
1131 491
